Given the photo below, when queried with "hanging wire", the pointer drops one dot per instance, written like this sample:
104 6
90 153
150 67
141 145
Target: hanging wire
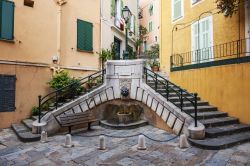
128 136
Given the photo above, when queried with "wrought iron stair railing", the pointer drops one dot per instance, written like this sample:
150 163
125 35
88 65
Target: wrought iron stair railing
165 87
68 93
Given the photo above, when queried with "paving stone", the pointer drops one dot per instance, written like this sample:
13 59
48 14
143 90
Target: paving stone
119 151
125 161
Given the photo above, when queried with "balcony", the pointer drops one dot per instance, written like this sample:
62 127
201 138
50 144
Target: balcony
228 53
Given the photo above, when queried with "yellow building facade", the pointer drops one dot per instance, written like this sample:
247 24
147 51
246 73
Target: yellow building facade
205 52
36 36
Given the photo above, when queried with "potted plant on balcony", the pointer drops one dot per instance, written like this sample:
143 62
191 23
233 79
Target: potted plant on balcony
153 55
155 65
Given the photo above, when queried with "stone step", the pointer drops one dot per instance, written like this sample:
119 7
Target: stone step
209 115
219 121
222 142
172 94
205 108
24 134
212 132
28 123
34 118
177 99
188 103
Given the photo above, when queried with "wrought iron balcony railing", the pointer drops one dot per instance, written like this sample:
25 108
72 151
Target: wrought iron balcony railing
234 49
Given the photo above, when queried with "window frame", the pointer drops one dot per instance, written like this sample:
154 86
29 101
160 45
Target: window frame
77 45
182 11
13 21
150 29
14 91
210 24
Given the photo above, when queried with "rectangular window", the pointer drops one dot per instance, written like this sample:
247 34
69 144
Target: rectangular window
6 20
151 10
132 24
202 40
177 9
150 26
7 93
84 36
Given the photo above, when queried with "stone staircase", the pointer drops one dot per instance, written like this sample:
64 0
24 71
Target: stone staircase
221 130
23 130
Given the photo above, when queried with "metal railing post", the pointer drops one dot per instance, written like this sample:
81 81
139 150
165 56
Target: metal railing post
156 82
181 98
102 76
167 90
39 108
195 109
238 48
56 99
146 75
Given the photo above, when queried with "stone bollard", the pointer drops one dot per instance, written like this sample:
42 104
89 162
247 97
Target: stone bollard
44 137
183 141
68 141
102 143
141 143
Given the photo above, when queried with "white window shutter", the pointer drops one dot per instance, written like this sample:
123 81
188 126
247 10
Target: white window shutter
132 23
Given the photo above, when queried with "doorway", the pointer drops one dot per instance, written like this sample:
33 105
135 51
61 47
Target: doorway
117 48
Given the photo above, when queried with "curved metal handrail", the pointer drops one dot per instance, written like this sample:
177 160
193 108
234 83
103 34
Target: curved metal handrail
181 93
68 92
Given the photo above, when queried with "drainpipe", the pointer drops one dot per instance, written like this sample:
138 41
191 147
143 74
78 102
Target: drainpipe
101 16
59 3
58 34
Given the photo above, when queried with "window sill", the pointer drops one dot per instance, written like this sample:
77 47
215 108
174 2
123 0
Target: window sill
196 3
177 19
92 52
8 41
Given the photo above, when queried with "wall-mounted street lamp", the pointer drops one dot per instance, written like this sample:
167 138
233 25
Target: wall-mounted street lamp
126 15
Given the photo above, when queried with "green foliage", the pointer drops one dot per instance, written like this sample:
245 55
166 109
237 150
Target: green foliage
142 35
34 110
228 7
105 55
153 54
60 80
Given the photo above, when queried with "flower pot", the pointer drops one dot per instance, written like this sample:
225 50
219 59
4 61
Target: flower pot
155 68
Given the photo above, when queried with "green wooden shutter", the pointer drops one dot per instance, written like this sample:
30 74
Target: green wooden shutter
7 20
122 6
1 17
112 8
7 91
84 35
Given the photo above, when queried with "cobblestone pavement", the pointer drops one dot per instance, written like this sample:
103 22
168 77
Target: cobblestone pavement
120 151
